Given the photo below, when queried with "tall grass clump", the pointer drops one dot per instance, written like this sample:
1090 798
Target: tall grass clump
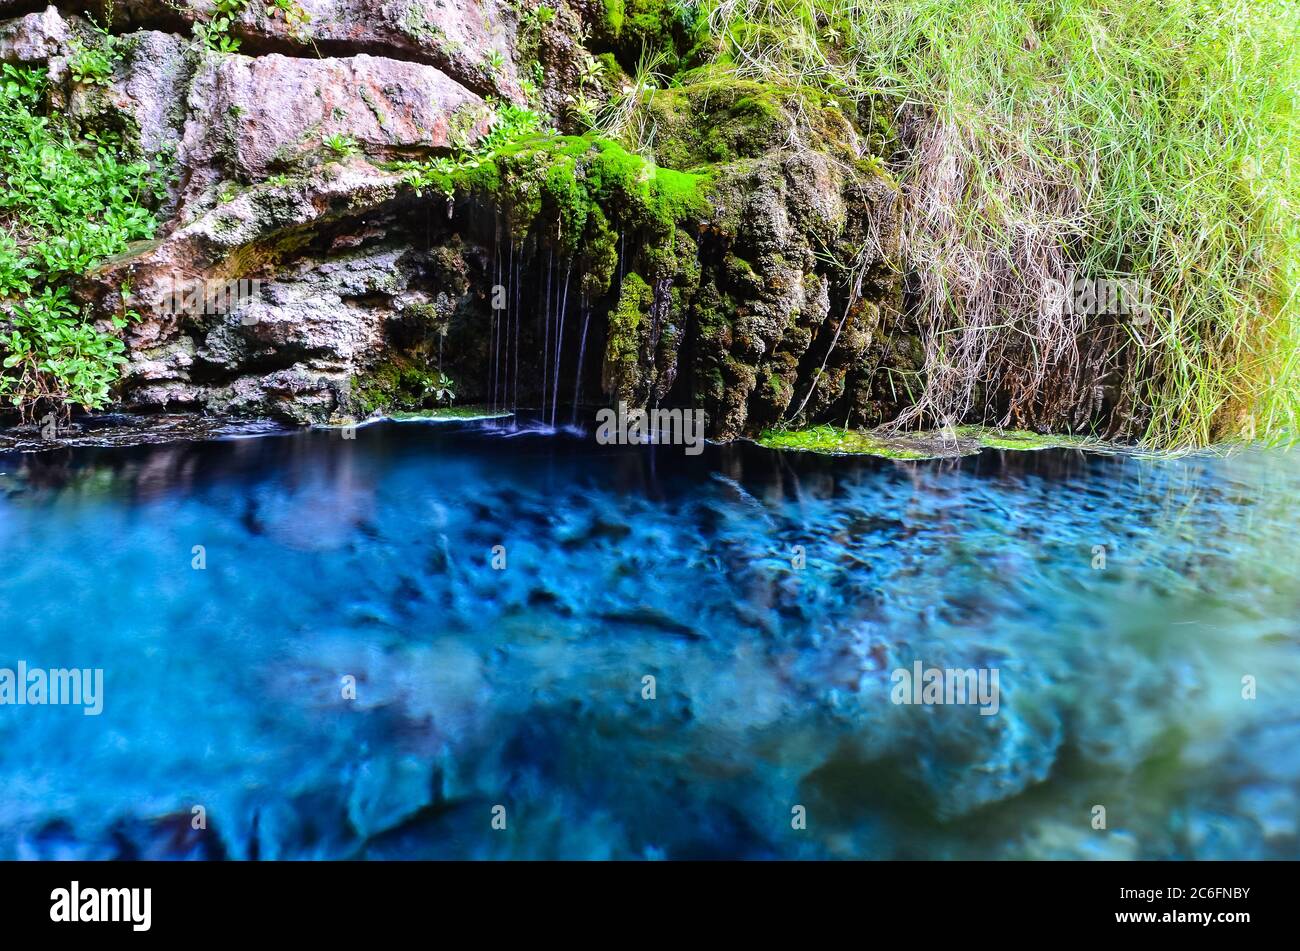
1040 141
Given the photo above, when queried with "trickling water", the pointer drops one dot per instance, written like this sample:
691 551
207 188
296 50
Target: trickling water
559 343
546 319
496 317
582 353
515 282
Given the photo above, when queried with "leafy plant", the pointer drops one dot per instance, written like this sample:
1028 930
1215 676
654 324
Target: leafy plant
214 33
52 356
65 205
93 62
16 268
441 388
536 18
341 145
295 17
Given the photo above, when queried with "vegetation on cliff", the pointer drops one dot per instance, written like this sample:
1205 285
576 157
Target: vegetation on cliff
872 213
1042 147
67 201
1057 139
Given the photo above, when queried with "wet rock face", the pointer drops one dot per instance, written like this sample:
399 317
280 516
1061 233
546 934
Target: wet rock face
766 297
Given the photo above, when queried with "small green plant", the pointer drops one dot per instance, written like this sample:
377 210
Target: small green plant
590 70
583 108
341 145
294 16
92 63
538 17
16 270
214 33
626 118
496 61
442 388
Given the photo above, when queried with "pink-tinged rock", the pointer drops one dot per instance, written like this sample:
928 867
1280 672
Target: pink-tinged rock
33 38
256 116
467 39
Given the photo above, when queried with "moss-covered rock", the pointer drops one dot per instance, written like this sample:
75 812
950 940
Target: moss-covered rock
625 341
928 444
706 261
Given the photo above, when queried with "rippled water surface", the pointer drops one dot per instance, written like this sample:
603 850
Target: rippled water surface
525 687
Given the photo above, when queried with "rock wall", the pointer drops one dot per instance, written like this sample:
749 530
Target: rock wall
717 275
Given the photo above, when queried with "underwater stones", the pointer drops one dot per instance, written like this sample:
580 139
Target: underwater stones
1274 807
387 791
1055 840
1213 835
966 760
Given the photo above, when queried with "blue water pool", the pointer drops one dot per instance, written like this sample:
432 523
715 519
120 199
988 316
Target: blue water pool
394 645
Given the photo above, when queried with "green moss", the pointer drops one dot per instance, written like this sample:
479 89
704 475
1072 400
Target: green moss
449 414
396 384
600 255
831 440
624 340
711 116
589 190
614 16
932 444
1019 439
677 29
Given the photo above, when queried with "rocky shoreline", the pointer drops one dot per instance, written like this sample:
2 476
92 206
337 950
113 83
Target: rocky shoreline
746 270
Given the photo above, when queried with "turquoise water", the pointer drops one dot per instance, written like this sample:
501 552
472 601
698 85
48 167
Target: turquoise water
523 687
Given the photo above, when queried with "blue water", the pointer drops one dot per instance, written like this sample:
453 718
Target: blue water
523 687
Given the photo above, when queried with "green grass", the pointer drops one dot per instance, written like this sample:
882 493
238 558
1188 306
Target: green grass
1094 137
